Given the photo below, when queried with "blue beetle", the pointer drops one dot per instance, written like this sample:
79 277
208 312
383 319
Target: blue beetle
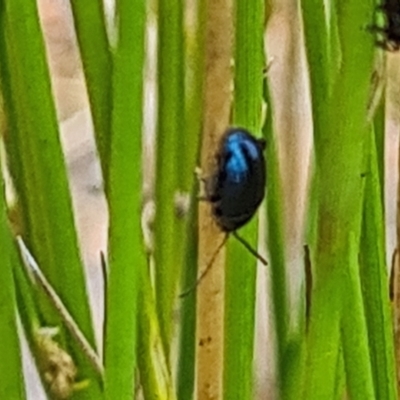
237 187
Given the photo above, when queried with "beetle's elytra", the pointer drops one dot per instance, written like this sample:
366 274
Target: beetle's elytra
237 186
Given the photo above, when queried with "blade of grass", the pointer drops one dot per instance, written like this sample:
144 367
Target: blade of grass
340 384
39 279
339 148
57 369
352 106
44 193
375 281
249 65
186 362
11 381
194 50
318 36
168 231
155 375
396 284
241 270
27 308
194 99
276 246
354 330
319 56
46 187
322 351
126 248
96 56
379 129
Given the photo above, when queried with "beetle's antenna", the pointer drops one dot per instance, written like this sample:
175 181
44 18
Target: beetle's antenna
249 248
206 270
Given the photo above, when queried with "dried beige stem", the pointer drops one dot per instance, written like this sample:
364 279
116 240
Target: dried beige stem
217 98
396 285
392 207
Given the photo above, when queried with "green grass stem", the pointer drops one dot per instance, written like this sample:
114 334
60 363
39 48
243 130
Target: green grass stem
168 230
241 267
126 247
374 279
96 56
340 90
11 374
41 179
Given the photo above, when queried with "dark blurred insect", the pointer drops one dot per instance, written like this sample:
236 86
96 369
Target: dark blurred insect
237 186
390 32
